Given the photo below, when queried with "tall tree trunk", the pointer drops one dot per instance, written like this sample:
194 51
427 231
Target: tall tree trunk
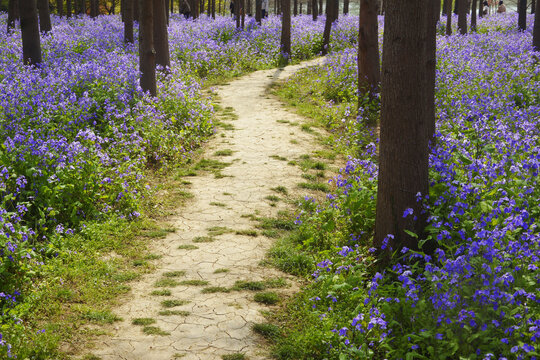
433 15
237 13
248 7
113 7
30 32
308 10
321 7
449 18
137 12
13 5
213 14
201 7
68 8
462 16
403 152
60 7
286 31
345 6
533 6
161 38
94 8
331 16
167 11
147 60
127 11
444 6
437 14
536 28
295 7
368 48
314 9
301 3
44 16
258 11
243 13
473 15
456 7
480 8
522 15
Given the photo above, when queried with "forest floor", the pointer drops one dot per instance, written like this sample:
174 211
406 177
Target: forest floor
198 303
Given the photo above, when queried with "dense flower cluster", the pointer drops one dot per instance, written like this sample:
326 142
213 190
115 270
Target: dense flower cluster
477 296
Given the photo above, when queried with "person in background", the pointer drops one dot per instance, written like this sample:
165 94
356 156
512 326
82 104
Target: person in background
264 8
501 9
185 9
485 9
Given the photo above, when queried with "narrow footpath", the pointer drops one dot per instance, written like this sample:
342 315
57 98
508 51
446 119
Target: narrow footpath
190 323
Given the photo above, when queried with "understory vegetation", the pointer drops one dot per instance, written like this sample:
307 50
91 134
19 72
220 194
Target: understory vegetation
84 155
476 295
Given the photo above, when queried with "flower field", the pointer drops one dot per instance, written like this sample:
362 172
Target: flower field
477 295
78 137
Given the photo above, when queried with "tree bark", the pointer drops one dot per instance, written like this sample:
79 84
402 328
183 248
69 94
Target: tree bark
331 16
449 18
405 115
113 7
213 14
533 6
161 38
243 13
44 16
68 8
147 61
462 16
94 8
127 11
286 31
295 7
300 10
368 48
320 7
456 7
167 2
522 15
345 6
444 6
60 7
308 10
536 28
258 11
136 11
13 7
314 9
30 32
480 8
473 15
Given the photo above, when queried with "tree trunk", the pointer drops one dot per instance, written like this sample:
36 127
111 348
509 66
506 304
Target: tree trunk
136 12
44 16
462 16
60 7
346 7
480 8
331 16
444 6
286 31
213 14
94 8
248 7
368 48
314 9
403 149
456 7
533 6
237 13
295 7
449 18
473 16
167 11
258 11
300 10
243 13
147 60
161 38
522 15
30 32
437 14
127 12
536 28
201 7
308 10
433 14
320 7
68 8
113 7
12 14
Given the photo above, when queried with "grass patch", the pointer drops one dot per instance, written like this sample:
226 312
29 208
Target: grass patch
249 285
267 298
166 282
154 330
174 313
226 152
280 189
269 331
211 165
215 289
277 157
235 356
194 282
203 239
220 204
221 270
272 198
218 230
172 274
187 247
315 186
164 292
99 316
247 232
152 257
173 303
143 321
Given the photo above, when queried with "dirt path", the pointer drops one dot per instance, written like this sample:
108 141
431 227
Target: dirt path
207 325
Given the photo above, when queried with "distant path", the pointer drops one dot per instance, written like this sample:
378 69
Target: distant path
219 323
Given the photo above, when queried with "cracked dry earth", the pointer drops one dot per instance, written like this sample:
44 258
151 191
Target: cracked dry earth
206 325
